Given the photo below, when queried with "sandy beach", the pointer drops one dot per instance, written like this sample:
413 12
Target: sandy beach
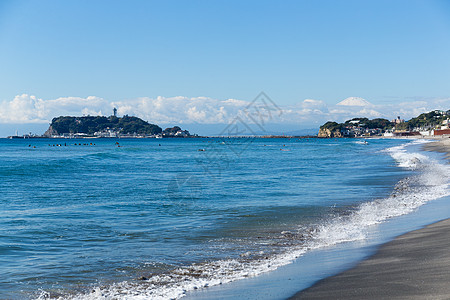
442 146
415 265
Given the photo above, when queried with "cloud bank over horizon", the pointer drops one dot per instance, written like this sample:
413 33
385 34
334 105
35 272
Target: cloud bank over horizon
29 109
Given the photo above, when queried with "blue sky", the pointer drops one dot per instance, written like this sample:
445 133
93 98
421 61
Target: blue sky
387 52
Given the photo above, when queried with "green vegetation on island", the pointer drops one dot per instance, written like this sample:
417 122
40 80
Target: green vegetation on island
100 126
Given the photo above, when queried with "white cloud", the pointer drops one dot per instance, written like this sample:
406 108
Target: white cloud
22 109
30 109
203 110
182 110
314 105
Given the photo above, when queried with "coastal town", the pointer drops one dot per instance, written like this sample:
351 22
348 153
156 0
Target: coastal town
117 133
434 123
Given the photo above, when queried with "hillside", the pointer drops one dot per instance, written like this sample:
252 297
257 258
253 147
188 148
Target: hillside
424 121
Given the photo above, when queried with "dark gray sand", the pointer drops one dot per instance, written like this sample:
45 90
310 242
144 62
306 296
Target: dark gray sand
442 146
415 265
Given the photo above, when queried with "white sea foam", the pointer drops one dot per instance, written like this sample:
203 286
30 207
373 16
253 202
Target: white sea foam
407 159
430 182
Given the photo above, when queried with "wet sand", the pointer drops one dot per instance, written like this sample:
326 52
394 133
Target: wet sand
442 146
415 265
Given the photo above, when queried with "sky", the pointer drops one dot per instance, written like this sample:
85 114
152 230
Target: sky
192 63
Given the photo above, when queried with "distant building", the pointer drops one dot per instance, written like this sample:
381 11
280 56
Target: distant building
445 124
440 112
115 112
442 132
398 120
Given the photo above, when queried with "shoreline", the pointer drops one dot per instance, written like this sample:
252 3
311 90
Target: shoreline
441 146
415 265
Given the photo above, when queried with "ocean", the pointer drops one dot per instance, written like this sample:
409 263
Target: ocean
167 218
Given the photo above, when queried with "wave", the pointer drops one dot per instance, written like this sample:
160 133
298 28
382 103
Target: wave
429 182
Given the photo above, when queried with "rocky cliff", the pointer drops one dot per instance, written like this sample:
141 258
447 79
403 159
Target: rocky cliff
50 132
330 129
327 133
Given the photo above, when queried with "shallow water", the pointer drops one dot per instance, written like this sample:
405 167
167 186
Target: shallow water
87 221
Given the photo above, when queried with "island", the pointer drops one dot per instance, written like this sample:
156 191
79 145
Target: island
109 127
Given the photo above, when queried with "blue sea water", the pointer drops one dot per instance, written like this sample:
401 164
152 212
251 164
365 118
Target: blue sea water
159 218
